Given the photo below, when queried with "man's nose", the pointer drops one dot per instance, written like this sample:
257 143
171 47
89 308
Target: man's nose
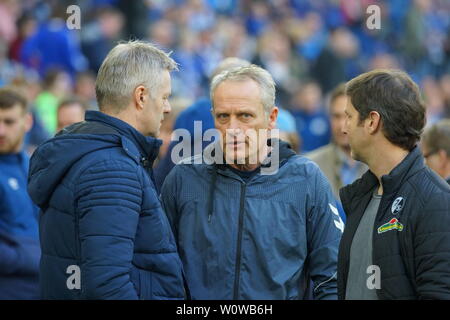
234 124
167 108
344 127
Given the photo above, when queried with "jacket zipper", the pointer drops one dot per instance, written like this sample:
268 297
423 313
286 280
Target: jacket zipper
239 244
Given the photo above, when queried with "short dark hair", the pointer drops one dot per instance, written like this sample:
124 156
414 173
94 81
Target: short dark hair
10 97
437 137
395 96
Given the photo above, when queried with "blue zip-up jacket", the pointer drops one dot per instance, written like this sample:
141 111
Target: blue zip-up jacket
260 239
100 214
19 240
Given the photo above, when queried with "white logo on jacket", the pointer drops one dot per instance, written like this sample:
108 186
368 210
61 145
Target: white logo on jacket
338 223
397 205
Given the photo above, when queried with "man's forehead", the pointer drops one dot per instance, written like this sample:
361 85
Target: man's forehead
15 111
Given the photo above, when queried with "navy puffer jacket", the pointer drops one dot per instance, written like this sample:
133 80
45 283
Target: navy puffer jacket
100 213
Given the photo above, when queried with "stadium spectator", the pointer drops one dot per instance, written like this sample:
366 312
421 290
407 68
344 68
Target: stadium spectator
334 159
19 240
312 122
436 148
70 111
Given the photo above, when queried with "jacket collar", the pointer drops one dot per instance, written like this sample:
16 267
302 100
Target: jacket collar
392 182
13 158
412 163
148 146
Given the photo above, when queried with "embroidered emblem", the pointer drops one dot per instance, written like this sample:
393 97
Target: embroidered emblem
393 224
397 205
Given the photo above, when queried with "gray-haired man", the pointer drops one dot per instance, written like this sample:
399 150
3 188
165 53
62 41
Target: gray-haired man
243 231
103 232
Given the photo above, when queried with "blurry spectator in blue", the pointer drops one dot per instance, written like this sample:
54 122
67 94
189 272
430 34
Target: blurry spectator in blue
53 45
313 37
337 61
200 111
257 17
288 129
136 15
188 83
226 7
101 35
19 241
311 119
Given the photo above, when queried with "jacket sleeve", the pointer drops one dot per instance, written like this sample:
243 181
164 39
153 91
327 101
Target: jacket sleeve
432 248
168 200
18 256
109 200
324 230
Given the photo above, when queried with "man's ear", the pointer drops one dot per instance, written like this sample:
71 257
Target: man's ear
373 122
140 97
273 118
443 158
28 121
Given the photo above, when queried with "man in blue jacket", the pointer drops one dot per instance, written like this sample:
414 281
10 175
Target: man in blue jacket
103 232
19 241
252 219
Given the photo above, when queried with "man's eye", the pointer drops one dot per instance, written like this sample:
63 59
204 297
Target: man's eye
246 115
222 116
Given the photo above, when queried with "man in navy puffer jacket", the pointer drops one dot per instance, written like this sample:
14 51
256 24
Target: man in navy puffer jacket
103 232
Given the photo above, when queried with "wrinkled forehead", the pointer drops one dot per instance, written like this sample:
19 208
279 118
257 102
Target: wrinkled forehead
238 94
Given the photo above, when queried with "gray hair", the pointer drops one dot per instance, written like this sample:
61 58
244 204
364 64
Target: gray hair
128 65
228 64
251 72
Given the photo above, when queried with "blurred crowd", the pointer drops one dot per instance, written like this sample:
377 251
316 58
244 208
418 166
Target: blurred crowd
308 46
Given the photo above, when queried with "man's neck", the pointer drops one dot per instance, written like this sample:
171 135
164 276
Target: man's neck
346 152
383 160
125 116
